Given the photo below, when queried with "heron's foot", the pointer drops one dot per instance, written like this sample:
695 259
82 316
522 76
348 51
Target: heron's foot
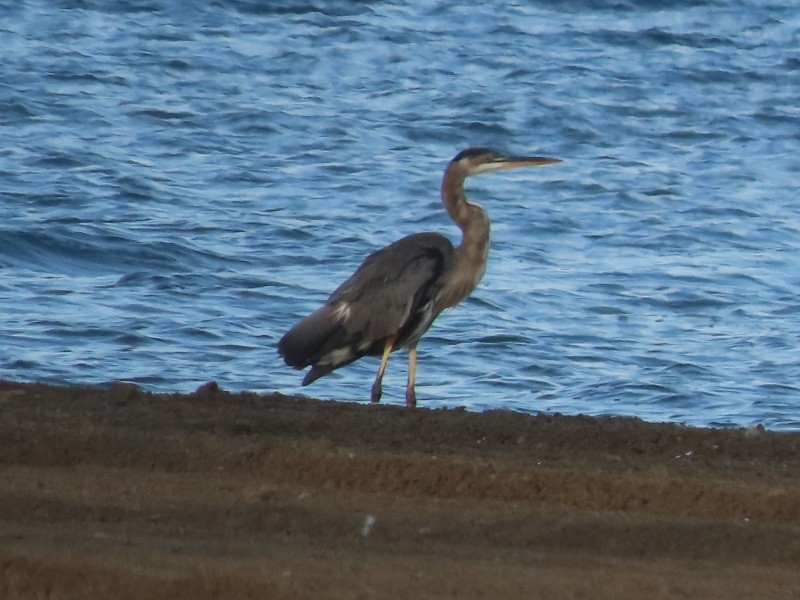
411 398
375 397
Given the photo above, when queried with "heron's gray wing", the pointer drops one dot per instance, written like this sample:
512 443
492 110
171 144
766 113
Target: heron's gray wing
390 295
381 297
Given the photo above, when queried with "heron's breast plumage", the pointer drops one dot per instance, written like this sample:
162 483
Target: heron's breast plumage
461 280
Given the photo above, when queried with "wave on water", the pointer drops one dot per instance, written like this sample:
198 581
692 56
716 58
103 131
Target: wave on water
179 184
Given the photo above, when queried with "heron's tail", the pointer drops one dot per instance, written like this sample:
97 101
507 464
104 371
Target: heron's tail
315 340
302 344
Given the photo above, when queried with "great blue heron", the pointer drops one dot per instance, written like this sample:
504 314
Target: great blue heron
398 291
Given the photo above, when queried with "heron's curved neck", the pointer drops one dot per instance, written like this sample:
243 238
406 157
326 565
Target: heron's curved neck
472 252
471 218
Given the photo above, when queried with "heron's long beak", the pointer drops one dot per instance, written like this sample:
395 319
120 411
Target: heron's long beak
513 162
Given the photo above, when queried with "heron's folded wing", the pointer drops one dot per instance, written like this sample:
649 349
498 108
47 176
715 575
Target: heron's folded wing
376 303
388 288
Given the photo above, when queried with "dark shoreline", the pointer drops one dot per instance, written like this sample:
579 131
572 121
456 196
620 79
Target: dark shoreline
122 493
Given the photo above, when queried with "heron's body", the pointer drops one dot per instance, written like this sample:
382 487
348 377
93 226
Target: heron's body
342 330
397 292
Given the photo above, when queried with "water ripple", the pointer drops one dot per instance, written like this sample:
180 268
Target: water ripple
179 184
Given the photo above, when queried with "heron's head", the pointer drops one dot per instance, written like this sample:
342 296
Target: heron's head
473 161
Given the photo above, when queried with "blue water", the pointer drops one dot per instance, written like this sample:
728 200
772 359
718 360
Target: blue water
180 182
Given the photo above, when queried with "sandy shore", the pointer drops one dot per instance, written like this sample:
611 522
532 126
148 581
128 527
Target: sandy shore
124 494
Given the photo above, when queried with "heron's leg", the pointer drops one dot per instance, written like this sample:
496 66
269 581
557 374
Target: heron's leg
376 387
411 396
